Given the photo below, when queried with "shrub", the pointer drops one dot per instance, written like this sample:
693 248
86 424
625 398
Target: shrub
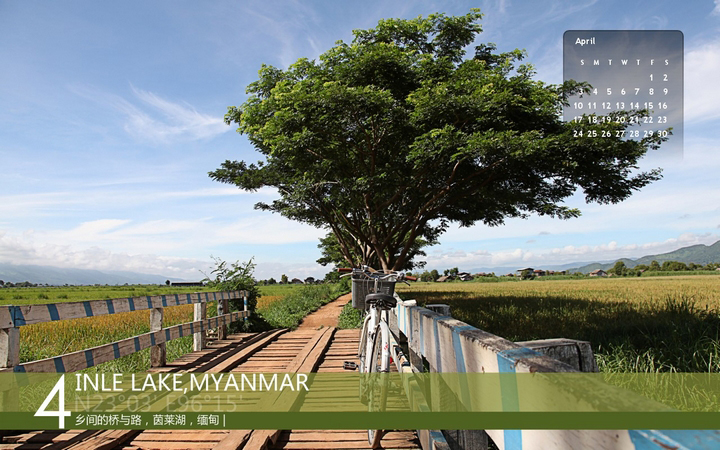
350 317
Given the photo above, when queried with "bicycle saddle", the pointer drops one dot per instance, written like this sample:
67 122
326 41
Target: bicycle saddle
383 301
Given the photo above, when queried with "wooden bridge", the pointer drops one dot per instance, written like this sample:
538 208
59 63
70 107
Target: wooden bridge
431 340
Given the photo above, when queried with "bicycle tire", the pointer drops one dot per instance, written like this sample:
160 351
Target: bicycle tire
362 357
378 395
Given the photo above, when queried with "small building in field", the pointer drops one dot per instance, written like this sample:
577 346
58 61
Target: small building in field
465 276
444 278
309 280
539 273
296 281
598 273
187 283
519 272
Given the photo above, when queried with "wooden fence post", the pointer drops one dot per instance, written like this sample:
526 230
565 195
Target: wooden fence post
157 352
222 307
245 304
9 347
200 313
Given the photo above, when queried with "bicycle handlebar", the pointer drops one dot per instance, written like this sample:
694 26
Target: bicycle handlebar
369 272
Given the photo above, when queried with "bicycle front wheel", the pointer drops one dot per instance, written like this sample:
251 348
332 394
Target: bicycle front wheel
378 362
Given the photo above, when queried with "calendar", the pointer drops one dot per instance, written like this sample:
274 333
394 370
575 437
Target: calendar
628 70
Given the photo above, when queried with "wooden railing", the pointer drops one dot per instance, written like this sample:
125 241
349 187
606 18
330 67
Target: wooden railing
449 345
14 317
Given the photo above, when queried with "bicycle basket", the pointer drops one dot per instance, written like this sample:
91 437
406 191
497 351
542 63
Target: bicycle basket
362 286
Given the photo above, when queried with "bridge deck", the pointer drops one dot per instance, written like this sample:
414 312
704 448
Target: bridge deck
274 351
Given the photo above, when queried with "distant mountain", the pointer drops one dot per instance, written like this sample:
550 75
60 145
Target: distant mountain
698 254
60 276
511 269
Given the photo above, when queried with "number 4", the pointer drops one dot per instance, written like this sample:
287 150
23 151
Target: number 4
59 389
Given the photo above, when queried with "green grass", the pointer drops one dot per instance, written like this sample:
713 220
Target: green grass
280 289
350 317
33 295
668 273
288 311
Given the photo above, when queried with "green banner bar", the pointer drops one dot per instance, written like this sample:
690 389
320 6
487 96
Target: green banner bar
366 420
545 400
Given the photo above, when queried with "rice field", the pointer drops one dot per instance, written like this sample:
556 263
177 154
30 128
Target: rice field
654 324
53 294
50 339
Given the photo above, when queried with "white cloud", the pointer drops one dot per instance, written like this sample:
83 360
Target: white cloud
155 119
702 93
716 10
116 245
266 229
563 255
43 204
25 250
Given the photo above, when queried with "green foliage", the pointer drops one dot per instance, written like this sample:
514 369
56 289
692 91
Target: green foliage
673 266
332 253
619 268
332 277
350 317
237 276
493 279
394 136
291 309
427 276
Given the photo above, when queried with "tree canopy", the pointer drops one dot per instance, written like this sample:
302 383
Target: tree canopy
394 136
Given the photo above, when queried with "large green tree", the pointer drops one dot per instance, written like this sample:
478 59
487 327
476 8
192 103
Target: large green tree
332 253
396 135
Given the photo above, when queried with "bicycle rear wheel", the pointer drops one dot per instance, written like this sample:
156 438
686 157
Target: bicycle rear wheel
378 362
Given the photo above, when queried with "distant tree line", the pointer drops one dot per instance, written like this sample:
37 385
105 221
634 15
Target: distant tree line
8 284
621 269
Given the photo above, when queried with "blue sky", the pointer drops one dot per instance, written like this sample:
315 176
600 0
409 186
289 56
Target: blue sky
111 117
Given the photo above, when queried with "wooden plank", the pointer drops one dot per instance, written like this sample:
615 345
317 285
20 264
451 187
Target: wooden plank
306 361
71 362
6 319
158 354
183 435
105 440
199 313
30 314
244 353
155 445
578 354
345 445
9 347
222 308
234 440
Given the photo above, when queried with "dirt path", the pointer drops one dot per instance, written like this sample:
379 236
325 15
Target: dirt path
326 316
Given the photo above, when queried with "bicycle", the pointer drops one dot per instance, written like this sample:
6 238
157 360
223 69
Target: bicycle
374 346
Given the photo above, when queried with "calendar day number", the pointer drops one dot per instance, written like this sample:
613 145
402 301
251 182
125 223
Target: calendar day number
619 133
